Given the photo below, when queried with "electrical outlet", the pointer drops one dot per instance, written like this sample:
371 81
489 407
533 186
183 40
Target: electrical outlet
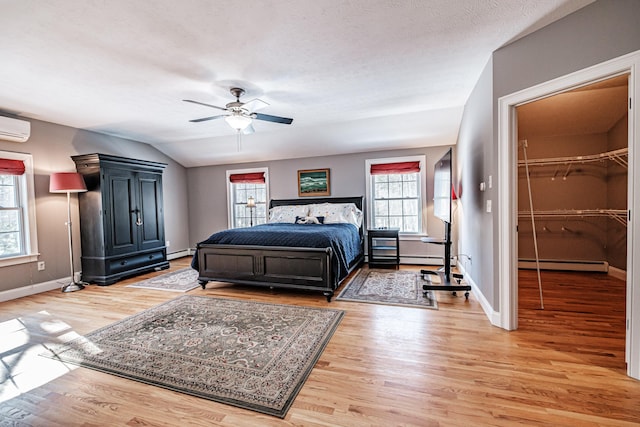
168 243
40 265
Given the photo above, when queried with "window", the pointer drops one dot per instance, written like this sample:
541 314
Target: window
243 184
18 243
11 214
396 193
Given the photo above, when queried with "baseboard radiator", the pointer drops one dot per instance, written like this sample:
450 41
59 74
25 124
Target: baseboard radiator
565 265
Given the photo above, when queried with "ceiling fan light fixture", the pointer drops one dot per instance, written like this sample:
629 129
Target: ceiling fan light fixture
240 115
238 121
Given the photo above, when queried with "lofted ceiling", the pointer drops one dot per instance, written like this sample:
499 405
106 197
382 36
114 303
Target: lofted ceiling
355 75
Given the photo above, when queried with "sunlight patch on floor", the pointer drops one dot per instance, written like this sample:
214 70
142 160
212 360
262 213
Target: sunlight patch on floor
22 340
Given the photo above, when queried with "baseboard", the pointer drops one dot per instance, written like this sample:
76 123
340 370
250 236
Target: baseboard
25 291
492 315
618 273
422 260
180 254
564 265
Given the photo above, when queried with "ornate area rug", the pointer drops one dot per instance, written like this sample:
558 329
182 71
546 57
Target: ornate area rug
253 355
182 280
391 287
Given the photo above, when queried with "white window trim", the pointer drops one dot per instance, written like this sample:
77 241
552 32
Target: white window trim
423 191
29 201
230 190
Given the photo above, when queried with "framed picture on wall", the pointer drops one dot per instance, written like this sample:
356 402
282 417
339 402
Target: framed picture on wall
314 182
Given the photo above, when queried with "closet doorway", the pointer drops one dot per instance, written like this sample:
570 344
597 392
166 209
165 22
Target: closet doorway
572 218
506 221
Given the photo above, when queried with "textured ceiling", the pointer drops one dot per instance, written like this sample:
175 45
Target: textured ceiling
356 75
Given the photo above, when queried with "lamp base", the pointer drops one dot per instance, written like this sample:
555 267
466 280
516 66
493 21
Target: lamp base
73 286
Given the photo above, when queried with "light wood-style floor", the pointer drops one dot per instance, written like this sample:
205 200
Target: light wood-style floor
385 366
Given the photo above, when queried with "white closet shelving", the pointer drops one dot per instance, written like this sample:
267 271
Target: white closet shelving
620 215
619 156
563 166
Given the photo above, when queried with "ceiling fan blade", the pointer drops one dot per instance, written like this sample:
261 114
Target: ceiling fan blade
269 118
206 105
248 130
255 104
204 119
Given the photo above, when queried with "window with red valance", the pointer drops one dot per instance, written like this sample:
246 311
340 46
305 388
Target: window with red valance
396 193
243 185
18 222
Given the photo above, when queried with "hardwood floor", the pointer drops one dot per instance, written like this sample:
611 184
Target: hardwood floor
384 366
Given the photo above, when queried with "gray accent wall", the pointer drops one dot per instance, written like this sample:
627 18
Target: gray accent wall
474 165
52 146
208 191
603 30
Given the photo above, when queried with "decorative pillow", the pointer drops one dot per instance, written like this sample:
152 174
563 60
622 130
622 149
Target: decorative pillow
287 213
309 220
335 213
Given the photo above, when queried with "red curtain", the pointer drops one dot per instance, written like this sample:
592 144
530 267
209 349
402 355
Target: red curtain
402 167
11 167
247 178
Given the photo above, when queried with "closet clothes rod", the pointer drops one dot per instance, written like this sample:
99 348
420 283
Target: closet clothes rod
619 156
620 215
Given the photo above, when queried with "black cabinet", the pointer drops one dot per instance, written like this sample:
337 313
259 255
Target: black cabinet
383 247
121 217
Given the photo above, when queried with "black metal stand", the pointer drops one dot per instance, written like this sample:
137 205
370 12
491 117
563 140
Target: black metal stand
444 273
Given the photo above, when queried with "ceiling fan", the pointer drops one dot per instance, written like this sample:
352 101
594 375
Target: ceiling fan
239 115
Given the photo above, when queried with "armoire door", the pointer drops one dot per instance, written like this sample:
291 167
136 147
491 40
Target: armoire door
149 220
120 217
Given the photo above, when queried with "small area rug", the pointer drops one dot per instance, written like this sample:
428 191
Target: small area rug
390 287
249 354
182 280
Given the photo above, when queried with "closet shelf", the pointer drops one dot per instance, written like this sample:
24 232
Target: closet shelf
620 215
619 156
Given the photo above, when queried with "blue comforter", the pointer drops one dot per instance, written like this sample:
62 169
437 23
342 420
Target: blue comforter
343 239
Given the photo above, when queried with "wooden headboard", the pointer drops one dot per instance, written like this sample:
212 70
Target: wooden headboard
357 200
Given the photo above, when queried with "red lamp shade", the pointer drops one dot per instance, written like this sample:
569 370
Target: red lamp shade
66 182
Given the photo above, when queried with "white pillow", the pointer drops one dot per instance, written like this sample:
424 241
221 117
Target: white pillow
335 213
287 213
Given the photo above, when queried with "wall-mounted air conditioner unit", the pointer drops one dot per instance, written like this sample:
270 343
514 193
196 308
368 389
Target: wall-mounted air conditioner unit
14 129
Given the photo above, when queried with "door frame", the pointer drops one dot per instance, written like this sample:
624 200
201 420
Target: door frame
507 215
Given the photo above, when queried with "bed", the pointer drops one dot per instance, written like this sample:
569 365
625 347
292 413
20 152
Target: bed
284 254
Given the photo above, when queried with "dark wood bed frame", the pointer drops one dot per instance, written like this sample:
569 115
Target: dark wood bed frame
277 266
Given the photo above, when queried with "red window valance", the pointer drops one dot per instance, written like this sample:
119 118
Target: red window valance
401 167
247 178
11 167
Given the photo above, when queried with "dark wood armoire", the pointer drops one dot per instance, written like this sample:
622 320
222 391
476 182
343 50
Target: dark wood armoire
121 217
